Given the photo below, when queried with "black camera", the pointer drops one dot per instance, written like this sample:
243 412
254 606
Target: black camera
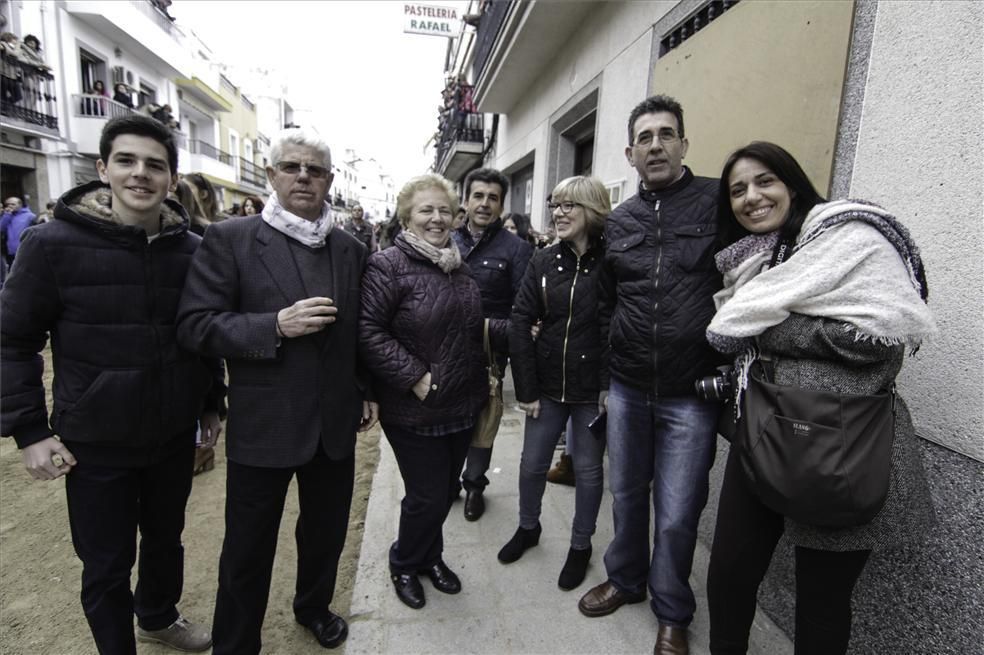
716 388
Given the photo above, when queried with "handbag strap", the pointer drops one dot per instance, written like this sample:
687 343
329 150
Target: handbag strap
489 355
485 341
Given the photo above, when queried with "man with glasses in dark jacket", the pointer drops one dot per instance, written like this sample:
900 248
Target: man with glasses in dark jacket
655 301
497 259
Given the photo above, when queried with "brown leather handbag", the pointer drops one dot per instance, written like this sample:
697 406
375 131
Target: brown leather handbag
819 457
487 424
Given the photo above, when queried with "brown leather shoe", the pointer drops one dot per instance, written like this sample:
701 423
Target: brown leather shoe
671 640
605 599
563 471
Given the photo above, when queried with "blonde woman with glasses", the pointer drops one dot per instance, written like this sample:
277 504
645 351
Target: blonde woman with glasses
558 376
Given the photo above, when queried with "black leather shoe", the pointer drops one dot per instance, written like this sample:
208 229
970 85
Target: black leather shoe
330 631
474 505
520 542
444 579
409 590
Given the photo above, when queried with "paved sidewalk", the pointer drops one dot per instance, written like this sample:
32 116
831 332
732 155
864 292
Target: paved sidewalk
515 608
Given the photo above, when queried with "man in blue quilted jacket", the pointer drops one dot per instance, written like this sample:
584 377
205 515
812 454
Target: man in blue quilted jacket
655 301
497 259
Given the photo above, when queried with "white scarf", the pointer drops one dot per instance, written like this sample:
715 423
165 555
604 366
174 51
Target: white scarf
853 262
311 233
447 258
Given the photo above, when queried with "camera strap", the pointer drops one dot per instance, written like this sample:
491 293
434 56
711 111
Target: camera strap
782 251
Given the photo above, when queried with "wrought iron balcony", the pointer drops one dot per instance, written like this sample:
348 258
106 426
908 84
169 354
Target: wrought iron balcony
489 26
199 147
89 105
28 96
460 143
252 174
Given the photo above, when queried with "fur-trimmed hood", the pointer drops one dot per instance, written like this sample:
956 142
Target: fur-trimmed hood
92 205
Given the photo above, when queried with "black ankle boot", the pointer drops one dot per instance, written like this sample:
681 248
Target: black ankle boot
574 569
520 541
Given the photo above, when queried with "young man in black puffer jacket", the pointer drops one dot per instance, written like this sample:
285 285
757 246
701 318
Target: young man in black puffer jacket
104 279
655 301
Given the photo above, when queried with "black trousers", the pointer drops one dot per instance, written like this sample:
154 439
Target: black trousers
107 505
254 506
429 467
745 537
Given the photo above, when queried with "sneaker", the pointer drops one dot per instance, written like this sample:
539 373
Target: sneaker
181 635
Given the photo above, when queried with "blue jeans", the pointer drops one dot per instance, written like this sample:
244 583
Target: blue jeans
666 444
539 441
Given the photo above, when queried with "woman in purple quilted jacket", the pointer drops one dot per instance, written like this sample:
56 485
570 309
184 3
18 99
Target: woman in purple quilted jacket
421 335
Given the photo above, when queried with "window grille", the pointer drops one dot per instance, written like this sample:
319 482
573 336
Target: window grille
698 20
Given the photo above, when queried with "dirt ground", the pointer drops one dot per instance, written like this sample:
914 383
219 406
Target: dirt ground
40 610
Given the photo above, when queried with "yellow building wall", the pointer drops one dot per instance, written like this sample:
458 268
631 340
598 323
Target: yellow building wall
243 121
764 71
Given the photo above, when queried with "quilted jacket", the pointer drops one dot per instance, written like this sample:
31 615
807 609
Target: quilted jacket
109 300
656 286
564 363
414 319
497 261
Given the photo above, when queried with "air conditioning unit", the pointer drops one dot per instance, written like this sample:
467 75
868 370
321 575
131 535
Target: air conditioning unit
122 75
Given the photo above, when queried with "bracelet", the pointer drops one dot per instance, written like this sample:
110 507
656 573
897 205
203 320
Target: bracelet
280 332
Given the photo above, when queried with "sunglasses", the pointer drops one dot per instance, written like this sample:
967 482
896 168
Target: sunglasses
294 168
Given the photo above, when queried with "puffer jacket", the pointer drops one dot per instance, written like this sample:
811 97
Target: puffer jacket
497 261
656 286
565 361
109 299
414 319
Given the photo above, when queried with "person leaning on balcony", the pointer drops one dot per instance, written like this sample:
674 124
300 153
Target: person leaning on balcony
29 52
121 94
10 72
96 106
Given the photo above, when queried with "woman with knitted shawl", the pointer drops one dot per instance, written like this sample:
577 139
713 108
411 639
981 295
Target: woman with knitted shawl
833 292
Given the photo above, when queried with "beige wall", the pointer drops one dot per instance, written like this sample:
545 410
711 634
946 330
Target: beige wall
765 70
919 155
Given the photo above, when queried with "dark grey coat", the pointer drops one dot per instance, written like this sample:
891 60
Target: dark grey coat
818 353
285 396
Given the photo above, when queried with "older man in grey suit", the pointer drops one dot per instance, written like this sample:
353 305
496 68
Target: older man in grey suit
277 295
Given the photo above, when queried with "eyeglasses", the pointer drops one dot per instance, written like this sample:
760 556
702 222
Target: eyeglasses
665 136
293 168
565 207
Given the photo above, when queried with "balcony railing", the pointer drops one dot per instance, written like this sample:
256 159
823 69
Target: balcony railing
90 105
250 173
488 29
199 147
28 95
462 126
162 20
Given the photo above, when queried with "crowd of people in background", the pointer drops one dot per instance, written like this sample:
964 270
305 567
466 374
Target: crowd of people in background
606 320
